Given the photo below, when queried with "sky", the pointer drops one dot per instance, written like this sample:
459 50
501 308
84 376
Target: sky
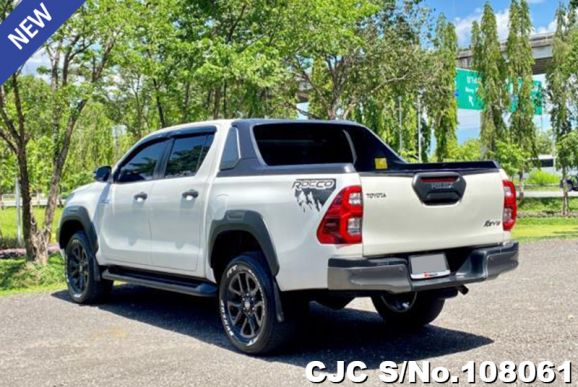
463 13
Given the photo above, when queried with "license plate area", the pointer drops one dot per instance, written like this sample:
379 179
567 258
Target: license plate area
428 266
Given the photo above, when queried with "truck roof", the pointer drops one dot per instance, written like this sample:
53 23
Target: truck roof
247 123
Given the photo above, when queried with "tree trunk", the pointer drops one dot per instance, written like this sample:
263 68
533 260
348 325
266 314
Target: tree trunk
565 203
225 99
217 103
36 250
332 112
45 234
159 104
565 200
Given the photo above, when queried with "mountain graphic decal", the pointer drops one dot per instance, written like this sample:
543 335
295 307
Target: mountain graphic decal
312 194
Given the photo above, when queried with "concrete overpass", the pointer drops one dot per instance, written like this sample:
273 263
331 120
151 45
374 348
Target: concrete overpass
541 51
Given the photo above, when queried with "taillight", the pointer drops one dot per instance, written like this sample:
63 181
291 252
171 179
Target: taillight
342 222
510 207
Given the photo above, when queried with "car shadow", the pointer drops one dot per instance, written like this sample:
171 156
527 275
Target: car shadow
327 335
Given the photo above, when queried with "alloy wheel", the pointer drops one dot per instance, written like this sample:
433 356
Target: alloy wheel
245 305
77 268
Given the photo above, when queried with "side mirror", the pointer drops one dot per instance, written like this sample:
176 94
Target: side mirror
102 173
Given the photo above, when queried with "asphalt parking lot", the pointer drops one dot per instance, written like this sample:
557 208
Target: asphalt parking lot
147 337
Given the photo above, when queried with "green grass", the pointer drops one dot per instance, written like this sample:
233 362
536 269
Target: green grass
528 229
18 276
530 205
8 224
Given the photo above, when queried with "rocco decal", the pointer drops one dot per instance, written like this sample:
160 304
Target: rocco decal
313 193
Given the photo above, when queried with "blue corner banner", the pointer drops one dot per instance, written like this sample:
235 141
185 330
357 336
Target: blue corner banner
28 27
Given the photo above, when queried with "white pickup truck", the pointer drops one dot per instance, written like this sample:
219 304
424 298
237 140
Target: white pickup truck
268 215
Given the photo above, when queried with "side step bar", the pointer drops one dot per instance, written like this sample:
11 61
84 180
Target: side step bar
193 288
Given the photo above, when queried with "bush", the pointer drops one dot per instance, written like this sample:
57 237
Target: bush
541 178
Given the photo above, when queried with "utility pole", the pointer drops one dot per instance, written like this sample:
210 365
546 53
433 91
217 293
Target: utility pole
18 216
400 147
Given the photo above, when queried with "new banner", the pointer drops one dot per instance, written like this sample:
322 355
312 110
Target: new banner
28 27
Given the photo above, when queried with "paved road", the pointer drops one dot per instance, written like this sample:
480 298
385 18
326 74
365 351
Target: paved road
146 337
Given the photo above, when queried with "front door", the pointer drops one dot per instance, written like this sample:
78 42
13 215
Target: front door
125 223
177 205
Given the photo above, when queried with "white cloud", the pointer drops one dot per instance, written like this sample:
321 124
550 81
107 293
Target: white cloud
551 27
464 29
464 25
535 1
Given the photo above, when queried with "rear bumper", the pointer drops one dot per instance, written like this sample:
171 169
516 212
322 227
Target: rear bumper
392 274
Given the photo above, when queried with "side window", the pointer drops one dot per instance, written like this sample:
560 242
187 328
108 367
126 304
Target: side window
187 155
141 166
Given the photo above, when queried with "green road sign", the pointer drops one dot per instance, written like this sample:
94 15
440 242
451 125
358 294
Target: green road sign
537 97
467 83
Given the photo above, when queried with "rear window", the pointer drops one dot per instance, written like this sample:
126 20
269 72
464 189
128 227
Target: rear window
303 144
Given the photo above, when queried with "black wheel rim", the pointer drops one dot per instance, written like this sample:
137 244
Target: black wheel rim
400 303
245 305
77 268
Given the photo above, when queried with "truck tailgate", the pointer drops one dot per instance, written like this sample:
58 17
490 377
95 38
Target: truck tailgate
431 211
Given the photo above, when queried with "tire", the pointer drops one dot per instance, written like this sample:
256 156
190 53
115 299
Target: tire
248 307
80 273
408 311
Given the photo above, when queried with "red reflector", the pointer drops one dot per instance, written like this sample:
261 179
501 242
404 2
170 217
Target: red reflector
342 221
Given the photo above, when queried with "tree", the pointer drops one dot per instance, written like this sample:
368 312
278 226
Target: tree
488 61
560 81
470 150
353 54
92 145
79 55
191 61
443 101
520 61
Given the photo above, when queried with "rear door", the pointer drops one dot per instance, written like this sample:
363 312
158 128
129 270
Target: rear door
430 211
178 202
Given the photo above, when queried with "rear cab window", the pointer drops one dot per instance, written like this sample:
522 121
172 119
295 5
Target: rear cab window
282 144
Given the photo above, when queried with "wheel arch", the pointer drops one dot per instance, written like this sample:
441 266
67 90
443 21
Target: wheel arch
76 218
240 231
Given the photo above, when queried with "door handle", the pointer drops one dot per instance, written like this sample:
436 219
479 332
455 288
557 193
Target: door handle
141 197
190 194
